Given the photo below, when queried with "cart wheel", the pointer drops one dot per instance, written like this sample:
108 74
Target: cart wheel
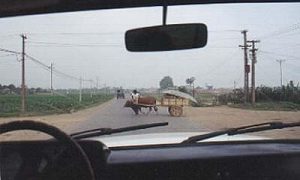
175 111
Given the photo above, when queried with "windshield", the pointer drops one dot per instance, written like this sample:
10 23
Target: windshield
72 70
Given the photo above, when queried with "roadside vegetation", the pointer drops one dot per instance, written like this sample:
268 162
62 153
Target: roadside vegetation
269 106
40 104
206 99
285 98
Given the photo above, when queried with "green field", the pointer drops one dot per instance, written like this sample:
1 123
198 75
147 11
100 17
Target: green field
10 105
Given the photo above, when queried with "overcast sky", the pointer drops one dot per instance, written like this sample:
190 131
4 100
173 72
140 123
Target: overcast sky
91 45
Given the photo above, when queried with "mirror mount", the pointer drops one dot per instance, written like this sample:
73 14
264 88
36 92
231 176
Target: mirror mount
165 11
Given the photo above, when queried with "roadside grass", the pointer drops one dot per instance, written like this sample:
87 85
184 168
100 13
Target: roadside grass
10 105
269 106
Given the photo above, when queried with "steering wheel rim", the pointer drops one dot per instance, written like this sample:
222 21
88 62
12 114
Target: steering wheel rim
54 132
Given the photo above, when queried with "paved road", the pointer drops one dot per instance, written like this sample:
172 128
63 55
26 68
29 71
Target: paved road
114 115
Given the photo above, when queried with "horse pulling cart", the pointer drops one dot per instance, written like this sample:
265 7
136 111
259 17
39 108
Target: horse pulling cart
173 100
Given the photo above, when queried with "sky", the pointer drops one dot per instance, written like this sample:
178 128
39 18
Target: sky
91 45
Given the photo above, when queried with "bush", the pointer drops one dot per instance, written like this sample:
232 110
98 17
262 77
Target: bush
235 97
288 93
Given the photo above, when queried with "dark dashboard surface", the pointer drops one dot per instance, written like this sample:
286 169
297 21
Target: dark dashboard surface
238 160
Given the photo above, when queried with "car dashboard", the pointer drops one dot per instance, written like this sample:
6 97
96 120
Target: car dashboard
268 159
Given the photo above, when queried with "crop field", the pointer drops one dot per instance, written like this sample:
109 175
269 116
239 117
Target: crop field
10 105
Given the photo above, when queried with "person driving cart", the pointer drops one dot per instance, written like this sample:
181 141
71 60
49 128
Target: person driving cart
135 96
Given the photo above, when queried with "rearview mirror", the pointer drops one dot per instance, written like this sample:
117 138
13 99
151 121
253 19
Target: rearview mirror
166 38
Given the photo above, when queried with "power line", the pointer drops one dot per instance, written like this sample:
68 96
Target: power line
70 44
48 68
9 51
7 55
288 29
37 61
77 33
221 47
280 61
226 30
283 55
65 75
224 39
60 73
283 44
8 35
222 63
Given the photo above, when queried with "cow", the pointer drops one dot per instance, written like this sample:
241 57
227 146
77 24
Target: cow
143 102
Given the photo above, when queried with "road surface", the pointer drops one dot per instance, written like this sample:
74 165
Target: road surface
114 115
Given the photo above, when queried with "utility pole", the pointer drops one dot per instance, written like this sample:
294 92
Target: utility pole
246 66
23 88
234 85
193 89
91 88
51 78
97 84
234 88
280 62
105 89
253 52
80 89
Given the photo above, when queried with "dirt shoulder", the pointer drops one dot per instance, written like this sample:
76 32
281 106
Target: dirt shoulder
216 118
63 121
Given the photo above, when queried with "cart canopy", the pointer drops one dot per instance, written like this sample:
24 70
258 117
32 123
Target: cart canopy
180 94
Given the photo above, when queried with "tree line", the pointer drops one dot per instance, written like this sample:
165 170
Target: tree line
12 89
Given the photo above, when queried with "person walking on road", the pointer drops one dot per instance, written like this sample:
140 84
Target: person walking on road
135 96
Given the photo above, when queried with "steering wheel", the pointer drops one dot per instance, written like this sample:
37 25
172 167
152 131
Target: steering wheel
58 135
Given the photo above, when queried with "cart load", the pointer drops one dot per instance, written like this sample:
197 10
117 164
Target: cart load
175 101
